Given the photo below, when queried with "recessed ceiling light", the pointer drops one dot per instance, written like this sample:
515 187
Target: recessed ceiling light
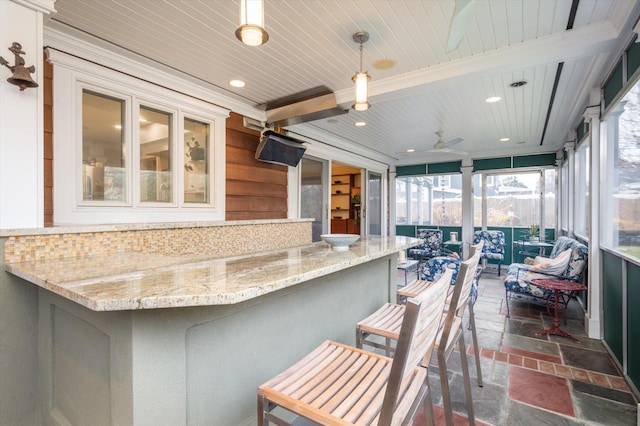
384 64
520 142
237 83
493 99
360 123
411 150
117 126
518 83
504 139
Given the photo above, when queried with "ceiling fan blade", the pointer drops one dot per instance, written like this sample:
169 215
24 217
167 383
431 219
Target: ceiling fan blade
446 150
460 22
453 142
452 151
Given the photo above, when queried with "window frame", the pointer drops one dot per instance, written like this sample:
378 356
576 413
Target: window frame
488 177
610 149
442 178
73 75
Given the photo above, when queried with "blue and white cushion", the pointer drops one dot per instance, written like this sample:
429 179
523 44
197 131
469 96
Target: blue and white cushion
432 245
433 269
494 243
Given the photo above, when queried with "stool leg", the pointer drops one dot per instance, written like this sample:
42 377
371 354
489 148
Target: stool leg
428 407
467 380
474 336
444 384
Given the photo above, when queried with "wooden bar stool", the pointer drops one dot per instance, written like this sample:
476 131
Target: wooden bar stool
417 286
384 323
340 384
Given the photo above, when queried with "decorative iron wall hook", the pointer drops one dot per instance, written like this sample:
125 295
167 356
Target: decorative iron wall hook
21 75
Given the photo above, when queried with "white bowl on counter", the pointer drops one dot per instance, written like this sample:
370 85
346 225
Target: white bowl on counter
340 242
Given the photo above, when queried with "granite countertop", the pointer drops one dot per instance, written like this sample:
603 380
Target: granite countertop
130 281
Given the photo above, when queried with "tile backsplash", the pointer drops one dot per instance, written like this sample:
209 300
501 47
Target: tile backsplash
213 241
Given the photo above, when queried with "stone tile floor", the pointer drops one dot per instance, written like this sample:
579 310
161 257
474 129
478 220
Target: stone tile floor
534 380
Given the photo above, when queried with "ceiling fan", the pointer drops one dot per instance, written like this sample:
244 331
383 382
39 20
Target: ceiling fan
446 147
440 146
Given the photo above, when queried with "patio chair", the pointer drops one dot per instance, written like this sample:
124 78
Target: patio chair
339 384
567 261
432 246
493 248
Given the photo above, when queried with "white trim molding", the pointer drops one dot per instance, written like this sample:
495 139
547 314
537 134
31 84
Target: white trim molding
42 6
594 312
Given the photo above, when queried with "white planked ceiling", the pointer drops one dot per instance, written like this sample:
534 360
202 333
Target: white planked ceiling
427 90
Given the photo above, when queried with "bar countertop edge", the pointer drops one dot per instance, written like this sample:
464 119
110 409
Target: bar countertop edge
134 281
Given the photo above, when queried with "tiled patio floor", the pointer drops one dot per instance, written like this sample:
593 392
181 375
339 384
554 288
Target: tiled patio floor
534 380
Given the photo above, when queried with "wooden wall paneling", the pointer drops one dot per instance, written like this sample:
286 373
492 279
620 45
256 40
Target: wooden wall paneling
254 189
249 188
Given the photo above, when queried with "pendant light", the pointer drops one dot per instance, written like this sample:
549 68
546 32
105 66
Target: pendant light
361 78
251 30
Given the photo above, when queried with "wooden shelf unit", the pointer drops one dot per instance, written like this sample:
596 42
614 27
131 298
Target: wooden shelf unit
343 211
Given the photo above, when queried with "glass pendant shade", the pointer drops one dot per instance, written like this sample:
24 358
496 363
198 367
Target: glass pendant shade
251 30
362 81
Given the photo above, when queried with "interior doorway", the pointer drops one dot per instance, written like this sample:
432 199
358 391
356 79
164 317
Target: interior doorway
346 201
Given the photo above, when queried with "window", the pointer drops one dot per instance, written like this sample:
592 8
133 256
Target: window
550 198
621 200
564 224
103 148
156 161
105 171
581 192
429 200
196 164
129 151
515 199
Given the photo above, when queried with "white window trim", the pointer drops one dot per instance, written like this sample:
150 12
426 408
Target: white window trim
71 75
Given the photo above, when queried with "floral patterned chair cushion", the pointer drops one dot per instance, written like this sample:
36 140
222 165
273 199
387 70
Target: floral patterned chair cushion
518 276
494 243
433 269
432 246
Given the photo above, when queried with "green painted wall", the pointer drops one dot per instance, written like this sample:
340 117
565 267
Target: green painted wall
406 230
633 323
614 84
612 302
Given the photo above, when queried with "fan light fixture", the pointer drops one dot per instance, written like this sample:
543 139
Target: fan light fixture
251 30
361 78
